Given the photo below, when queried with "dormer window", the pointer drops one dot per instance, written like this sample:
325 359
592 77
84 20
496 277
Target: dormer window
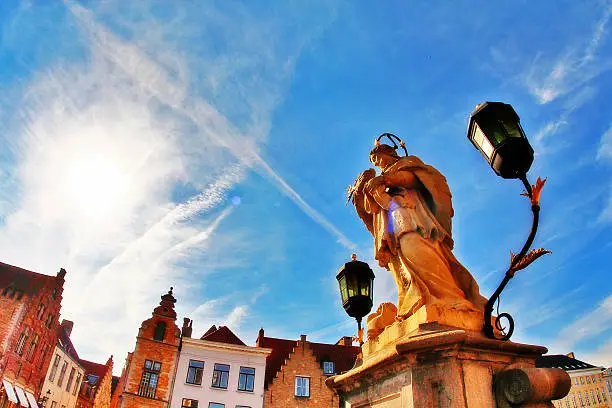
160 331
328 368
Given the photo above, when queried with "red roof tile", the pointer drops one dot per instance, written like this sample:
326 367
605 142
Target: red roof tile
342 356
99 370
23 280
222 335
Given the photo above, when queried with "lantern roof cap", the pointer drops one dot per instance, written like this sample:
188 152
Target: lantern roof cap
354 263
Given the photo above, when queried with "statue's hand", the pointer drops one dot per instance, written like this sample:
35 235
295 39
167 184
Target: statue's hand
363 178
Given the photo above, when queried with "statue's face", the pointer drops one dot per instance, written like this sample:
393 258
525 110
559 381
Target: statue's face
382 160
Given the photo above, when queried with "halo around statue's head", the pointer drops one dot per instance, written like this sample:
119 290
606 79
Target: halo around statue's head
387 149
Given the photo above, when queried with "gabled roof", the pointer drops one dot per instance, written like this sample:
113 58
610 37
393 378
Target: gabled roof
64 342
91 368
222 335
562 361
342 356
23 280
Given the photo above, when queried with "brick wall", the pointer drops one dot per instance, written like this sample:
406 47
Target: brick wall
19 313
302 362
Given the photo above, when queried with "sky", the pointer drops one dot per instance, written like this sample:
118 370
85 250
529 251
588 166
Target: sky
208 146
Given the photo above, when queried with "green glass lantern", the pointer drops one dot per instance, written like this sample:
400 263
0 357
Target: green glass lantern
496 131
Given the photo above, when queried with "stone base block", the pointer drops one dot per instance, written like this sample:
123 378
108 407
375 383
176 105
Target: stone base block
433 367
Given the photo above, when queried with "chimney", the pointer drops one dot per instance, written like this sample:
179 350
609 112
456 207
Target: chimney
67 325
61 274
303 338
260 338
570 354
187 327
345 341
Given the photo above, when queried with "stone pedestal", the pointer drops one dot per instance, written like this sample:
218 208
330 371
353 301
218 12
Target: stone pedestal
436 366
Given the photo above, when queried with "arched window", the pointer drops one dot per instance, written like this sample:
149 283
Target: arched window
160 331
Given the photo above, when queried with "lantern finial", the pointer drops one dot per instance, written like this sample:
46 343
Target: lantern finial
354 257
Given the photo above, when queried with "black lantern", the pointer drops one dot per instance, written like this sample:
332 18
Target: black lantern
496 131
356 281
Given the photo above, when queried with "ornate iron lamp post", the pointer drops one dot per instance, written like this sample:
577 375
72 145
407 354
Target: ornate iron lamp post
495 130
356 280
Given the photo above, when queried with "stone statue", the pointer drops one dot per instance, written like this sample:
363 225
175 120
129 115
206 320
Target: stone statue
408 210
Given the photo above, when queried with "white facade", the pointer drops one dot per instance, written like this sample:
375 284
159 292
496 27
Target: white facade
63 380
227 392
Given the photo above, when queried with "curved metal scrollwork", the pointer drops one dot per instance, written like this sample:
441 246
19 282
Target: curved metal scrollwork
517 262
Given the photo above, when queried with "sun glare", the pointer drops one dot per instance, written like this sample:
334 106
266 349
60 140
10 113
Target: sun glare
94 184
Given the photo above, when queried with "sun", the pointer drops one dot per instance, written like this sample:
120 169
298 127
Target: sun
94 184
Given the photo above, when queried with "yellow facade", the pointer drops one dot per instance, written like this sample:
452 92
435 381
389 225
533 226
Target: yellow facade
588 390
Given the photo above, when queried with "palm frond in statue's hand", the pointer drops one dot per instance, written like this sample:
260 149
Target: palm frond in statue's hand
357 187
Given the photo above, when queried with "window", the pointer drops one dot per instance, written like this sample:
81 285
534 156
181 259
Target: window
49 321
328 367
302 386
23 338
576 381
160 331
70 378
150 377
246 379
220 376
40 312
54 367
582 380
77 383
189 403
194 372
60 380
215 405
41 356
53 404
32 348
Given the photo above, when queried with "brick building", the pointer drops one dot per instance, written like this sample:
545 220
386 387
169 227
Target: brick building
148 375
95 389
296 371
588 385
65 373
29 311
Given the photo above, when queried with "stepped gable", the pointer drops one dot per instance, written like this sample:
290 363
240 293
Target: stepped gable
561 361
222 335
342 356
281 349
23 280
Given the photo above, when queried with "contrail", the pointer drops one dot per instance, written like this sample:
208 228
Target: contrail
148 74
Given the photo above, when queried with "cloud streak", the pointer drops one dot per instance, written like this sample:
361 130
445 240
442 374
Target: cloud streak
547 82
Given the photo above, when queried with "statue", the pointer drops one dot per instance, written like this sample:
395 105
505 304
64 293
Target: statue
408 210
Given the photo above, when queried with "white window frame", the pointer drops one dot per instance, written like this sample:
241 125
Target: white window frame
302 390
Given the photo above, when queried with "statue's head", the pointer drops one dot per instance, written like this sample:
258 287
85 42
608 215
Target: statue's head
383 155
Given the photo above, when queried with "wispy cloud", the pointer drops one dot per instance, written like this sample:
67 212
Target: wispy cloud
547 81
586 327
604 154
99 146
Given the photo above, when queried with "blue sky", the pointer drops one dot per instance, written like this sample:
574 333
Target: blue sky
208 147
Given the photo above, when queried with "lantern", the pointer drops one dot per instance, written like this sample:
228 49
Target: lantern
356 281
496 131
